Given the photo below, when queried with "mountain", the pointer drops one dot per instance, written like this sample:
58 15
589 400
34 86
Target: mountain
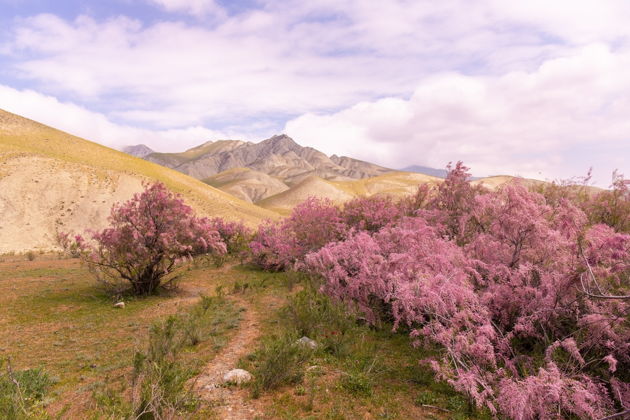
440 173
52 181
139 150
279 157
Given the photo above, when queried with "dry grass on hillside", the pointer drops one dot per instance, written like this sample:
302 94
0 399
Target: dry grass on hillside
395 184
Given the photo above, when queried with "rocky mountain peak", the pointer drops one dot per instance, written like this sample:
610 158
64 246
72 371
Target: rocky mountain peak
280 142
138 150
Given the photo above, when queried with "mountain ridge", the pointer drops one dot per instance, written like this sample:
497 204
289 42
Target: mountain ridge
279 157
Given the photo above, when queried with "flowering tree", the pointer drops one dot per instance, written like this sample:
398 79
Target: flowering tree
148 237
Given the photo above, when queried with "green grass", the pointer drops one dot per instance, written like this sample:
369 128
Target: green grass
178 348
368 373
53 317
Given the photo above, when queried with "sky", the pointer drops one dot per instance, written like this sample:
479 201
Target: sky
536 89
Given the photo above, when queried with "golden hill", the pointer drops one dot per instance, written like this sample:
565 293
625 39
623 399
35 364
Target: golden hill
51 180
395 184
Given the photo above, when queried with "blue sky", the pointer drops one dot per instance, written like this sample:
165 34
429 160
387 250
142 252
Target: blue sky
538 89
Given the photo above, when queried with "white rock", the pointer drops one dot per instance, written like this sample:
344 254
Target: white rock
305 341
120 305
237 376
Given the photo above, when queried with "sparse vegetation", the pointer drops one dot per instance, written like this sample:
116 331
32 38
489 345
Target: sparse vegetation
279 361
160 383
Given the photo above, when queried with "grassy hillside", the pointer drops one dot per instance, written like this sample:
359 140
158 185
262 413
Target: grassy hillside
396 184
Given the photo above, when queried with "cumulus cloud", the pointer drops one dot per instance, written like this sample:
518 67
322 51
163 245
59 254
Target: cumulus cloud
284 58
543 124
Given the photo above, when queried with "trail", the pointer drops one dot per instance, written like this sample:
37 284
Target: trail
231 403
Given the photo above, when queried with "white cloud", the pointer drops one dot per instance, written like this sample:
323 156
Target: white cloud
536 124
200 8
97 127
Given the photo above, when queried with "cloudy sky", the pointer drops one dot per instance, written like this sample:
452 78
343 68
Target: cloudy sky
537 88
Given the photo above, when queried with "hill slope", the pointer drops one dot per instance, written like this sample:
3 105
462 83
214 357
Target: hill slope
394 184
51 180
247 184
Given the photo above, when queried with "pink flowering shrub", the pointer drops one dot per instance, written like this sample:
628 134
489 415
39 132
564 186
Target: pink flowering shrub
448 207
612 207
370 213
528 300
552 394
311 225
235 235
148 237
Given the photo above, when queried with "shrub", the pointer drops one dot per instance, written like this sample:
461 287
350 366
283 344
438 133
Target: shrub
612 207
316 316
311 225
236 237
149 236
527 300
370 213
279 361
22 392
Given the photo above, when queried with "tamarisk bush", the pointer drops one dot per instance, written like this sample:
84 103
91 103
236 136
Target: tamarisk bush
148 237
370 213
528 299
311 225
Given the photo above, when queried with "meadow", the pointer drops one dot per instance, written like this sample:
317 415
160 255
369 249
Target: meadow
57 319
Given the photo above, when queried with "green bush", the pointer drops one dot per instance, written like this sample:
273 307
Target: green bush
316 316
159 382
22 393
279 361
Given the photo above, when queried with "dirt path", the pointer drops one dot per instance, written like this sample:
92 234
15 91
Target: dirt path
231 403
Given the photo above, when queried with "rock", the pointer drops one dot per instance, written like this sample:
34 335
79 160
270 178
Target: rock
305 341
120 305
238 377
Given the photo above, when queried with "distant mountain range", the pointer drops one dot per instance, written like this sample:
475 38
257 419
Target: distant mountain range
255 171
277 173
278 156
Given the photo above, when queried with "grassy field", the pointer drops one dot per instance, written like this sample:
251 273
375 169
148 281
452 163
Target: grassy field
54 317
